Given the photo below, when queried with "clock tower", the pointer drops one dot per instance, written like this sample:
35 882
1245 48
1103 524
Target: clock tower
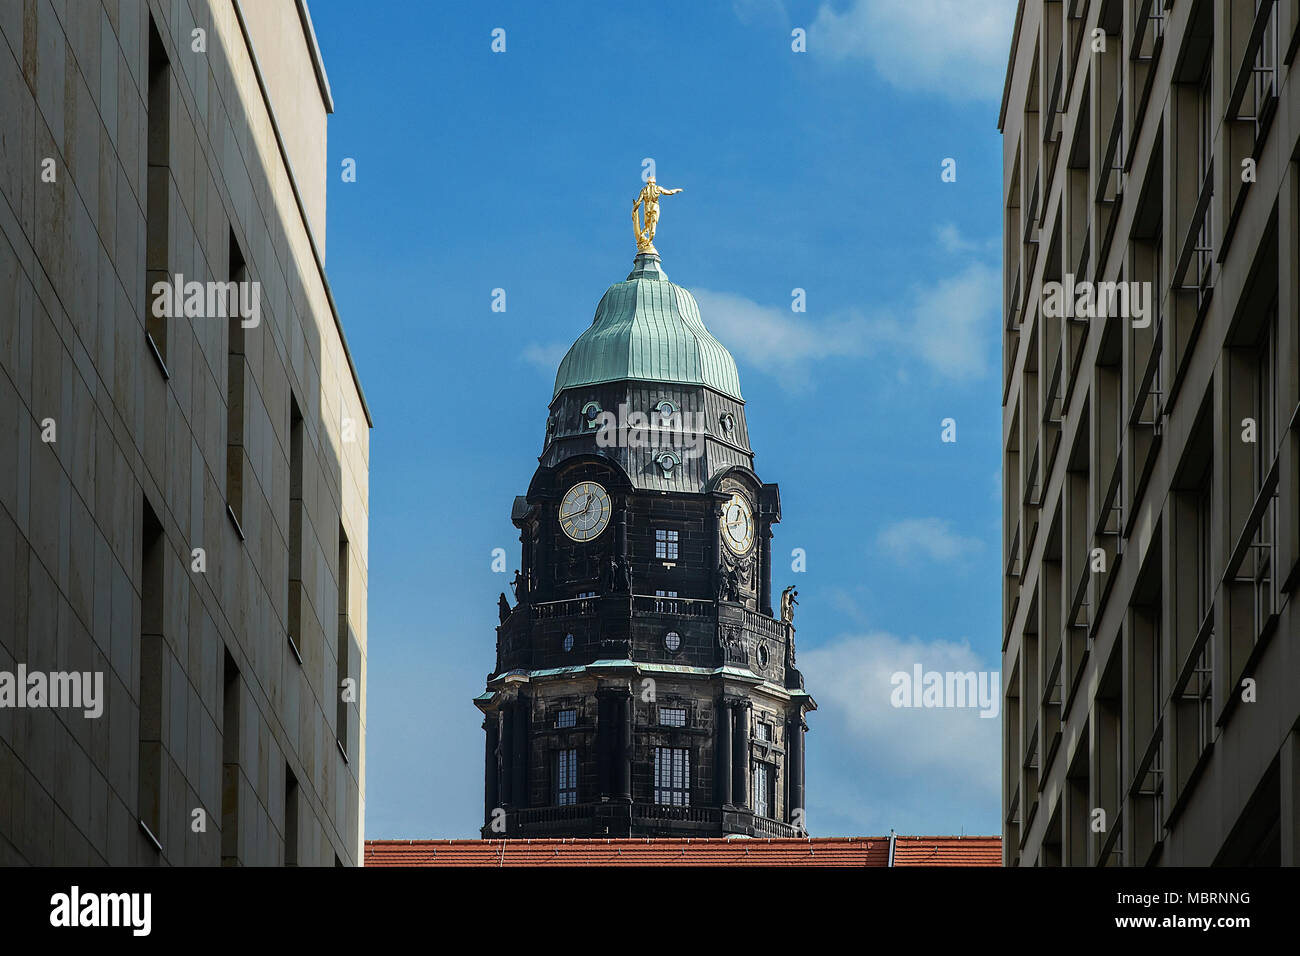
642 684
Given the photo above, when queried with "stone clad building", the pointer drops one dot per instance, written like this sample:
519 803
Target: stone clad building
1151 548
642 685
183 499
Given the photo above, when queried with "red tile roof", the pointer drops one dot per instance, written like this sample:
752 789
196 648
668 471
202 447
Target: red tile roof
948 851
825 851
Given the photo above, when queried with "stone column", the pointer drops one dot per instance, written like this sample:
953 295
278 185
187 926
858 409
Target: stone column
490 770
740 755
519 756
525 565
722 753
605 716
623 748
765 569
715 530
794 751
506 738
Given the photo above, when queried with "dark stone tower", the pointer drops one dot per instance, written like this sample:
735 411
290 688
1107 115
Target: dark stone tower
642 685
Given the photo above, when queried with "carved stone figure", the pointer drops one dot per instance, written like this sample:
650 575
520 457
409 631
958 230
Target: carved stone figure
503 607
788 603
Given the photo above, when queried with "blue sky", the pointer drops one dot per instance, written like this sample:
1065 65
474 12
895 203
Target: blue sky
819 170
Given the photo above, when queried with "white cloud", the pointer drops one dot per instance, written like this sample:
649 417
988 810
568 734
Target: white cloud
950 319
944 326
956 48
779 341
951 239
931 539
952 748
545 357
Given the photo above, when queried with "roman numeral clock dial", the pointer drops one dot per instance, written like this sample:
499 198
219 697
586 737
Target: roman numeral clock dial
585 511
738 525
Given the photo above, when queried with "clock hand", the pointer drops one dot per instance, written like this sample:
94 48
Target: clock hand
582 510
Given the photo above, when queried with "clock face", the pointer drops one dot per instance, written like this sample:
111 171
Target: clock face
737 525
585 511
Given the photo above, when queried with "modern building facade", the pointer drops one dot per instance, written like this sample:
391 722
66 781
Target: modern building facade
183 444
1151 653
642 685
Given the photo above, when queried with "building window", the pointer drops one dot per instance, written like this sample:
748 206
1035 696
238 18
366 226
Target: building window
290 817
587 594
157 191
1204 564
342 681
566 777
566 718
1265 400
666 544
672 716
568 642
764 732
296 515
152 666
673 641
236 388
230 782
665 607
764 789
673 776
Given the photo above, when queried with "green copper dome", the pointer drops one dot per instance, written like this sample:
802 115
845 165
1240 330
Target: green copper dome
648 329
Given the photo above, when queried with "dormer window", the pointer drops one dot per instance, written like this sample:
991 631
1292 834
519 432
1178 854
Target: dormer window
668 462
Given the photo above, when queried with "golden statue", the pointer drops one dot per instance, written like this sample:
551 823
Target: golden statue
649 198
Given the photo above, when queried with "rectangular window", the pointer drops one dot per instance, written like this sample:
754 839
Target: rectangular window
342 683
157 192
1204 564
153 647
236 371
763 793
295 526
290 817
665 607
587 594
1265 399
764 732
666 544
230 706
566 718
566 777
673 776
672 716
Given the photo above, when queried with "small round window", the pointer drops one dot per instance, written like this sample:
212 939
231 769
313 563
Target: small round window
673 641
763 656
568 642
728 421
